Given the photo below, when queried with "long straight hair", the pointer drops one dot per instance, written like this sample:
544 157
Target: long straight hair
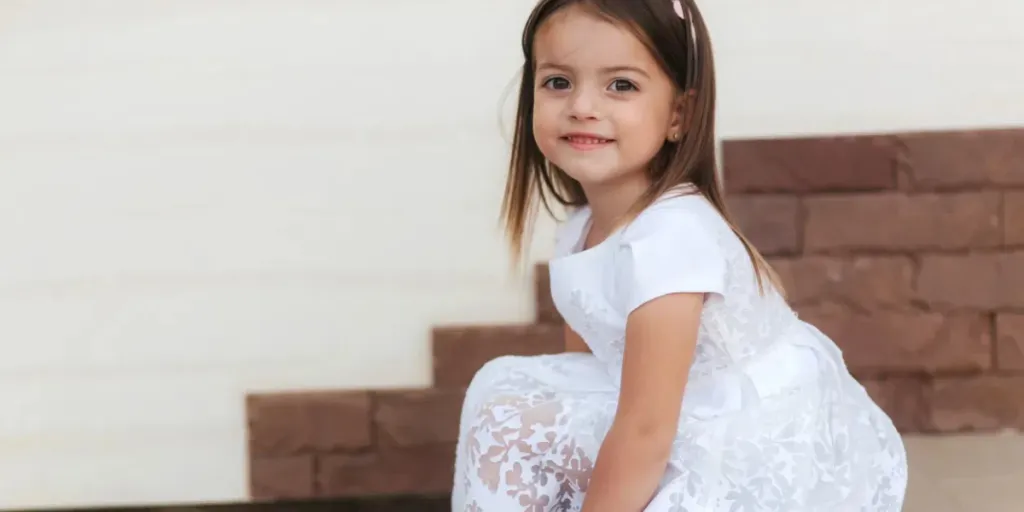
682 46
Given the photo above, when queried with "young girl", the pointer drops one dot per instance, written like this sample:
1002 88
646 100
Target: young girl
688 383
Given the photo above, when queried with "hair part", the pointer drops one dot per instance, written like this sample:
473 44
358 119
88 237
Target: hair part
683 49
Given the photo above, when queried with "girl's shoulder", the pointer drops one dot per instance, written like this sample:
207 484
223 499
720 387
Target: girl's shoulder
681 213
672 247
685 214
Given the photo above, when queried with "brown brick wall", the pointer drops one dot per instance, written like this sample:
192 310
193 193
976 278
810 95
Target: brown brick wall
343 443
907 249
356 443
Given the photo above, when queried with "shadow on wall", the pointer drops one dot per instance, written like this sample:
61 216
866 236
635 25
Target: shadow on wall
907 249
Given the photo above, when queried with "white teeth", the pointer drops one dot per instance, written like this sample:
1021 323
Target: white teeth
587 140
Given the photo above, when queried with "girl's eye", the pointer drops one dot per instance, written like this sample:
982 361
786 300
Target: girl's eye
622 85
557 83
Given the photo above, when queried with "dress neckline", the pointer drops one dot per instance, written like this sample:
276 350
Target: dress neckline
579 246
585 218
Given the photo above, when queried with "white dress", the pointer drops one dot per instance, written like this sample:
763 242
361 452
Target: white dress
771 421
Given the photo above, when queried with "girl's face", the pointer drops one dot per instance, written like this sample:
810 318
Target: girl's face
602 107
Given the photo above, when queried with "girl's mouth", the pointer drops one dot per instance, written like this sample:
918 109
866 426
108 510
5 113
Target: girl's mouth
586 141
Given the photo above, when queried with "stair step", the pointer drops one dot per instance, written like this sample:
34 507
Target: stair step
460 351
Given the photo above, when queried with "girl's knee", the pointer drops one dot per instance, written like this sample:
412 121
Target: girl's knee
494 369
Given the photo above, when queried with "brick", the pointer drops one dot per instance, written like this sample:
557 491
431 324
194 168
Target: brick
896 222
770 222
859 282
911 342
417 417
424 470
1013 218
972 281
1010 341
460 351
809 164
906 400
978 403
547 313
304 422
281 478
946 160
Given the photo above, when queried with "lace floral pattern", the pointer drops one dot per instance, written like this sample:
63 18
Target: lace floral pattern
528 443
748 440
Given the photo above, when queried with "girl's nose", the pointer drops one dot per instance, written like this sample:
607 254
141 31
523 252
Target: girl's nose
583 105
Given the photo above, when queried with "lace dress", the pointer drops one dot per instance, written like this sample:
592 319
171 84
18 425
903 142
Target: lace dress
771 420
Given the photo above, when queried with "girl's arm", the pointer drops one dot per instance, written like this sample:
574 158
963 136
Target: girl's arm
573 341
660 339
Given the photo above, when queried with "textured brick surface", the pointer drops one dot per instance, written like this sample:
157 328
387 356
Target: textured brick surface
1010 342
906 342
986 402
460 351
770 222
896 222
277 478
291 423
860 282
422 470
1013 218
965 159
417 417
907 401
808 164
973 281
547 313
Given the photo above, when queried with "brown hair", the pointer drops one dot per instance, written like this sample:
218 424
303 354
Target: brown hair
683 49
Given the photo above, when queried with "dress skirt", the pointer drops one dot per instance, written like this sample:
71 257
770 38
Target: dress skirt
790 431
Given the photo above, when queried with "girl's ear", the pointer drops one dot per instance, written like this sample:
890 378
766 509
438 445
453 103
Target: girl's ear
682 108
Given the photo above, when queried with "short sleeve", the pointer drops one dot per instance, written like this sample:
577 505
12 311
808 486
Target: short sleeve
668 251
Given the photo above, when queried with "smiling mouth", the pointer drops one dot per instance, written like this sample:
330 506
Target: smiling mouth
586 141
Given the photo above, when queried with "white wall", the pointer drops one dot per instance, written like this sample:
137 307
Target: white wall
202 198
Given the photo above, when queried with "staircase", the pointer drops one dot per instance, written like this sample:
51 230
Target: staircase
907 249
366 443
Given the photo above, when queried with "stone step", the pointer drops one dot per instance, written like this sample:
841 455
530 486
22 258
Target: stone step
334 444
460 351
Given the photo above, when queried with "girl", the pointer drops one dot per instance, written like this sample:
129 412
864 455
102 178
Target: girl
688 383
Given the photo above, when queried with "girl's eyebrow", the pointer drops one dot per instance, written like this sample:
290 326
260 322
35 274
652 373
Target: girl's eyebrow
606 70
619 69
